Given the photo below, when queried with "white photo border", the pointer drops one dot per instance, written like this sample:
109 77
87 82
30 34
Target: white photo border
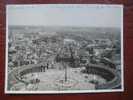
66 91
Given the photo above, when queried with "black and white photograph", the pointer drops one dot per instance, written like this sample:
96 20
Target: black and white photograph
64 48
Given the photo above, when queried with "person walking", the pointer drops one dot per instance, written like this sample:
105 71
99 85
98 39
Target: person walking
42 68
47 66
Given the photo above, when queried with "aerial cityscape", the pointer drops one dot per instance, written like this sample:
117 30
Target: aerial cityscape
51 51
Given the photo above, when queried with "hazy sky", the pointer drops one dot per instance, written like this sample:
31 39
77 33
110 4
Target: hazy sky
65 15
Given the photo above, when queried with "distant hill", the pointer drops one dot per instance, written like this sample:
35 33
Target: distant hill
87 32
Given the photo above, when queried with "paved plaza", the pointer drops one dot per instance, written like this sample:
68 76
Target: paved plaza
51 80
